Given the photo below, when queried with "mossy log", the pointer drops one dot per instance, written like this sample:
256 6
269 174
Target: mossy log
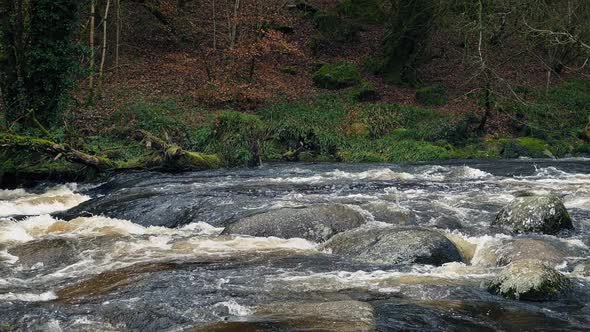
176 157
57 150
170 157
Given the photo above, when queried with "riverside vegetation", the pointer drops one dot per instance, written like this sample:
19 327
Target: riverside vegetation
330 127
354 81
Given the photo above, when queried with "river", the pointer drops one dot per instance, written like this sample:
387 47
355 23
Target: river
144 251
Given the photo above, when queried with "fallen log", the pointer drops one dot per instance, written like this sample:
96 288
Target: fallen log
56 150
175 157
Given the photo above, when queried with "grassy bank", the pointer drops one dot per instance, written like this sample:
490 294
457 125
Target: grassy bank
334 126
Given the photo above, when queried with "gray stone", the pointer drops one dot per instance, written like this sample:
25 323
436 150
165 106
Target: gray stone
529 279
390 213
520 249
315 223
535 214
390 246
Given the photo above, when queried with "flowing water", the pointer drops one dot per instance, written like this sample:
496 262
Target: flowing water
130 272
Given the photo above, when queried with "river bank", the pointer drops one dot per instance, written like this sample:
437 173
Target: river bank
333 127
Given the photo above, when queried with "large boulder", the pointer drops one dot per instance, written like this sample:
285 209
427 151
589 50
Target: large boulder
582 269
535 214
315 223
390 246
529 279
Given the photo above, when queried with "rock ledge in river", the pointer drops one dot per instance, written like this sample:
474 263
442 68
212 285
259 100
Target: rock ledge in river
399 245
315 223
529 279
534 214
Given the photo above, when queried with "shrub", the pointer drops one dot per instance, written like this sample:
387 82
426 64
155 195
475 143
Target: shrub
235 138
337 76
161 120
334 28
434 95
368 11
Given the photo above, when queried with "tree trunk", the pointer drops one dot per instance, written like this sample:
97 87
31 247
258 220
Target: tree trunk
104 44
92 57
118 34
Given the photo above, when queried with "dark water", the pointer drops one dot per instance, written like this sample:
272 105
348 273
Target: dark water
95 272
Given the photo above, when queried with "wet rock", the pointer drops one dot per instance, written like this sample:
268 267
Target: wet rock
390 246
521 249
315 223
390 213
582 269
144 206
529 279
51 253
446 222
535 214
336 316
466 248
108 282
324 316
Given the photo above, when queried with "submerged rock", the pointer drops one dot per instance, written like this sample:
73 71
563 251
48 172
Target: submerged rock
390 246
324 316
390 213
51 253
315 223
337 316
534 214
529 279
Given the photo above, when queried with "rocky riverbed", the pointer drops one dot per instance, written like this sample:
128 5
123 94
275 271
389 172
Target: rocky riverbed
472 245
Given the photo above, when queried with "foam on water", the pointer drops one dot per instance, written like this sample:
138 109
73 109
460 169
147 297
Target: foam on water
234 308
20 202
28 297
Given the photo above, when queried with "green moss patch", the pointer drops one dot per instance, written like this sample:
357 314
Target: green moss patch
337 76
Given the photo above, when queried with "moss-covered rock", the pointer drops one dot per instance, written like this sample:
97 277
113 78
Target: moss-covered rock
434 95
526 147
529 279
534 214
337 76
365 92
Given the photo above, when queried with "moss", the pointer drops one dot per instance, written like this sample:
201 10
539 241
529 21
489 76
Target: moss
434 95
389 149
337 76
364 92
525 147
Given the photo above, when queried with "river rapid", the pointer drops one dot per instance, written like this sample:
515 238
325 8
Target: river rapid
144 251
